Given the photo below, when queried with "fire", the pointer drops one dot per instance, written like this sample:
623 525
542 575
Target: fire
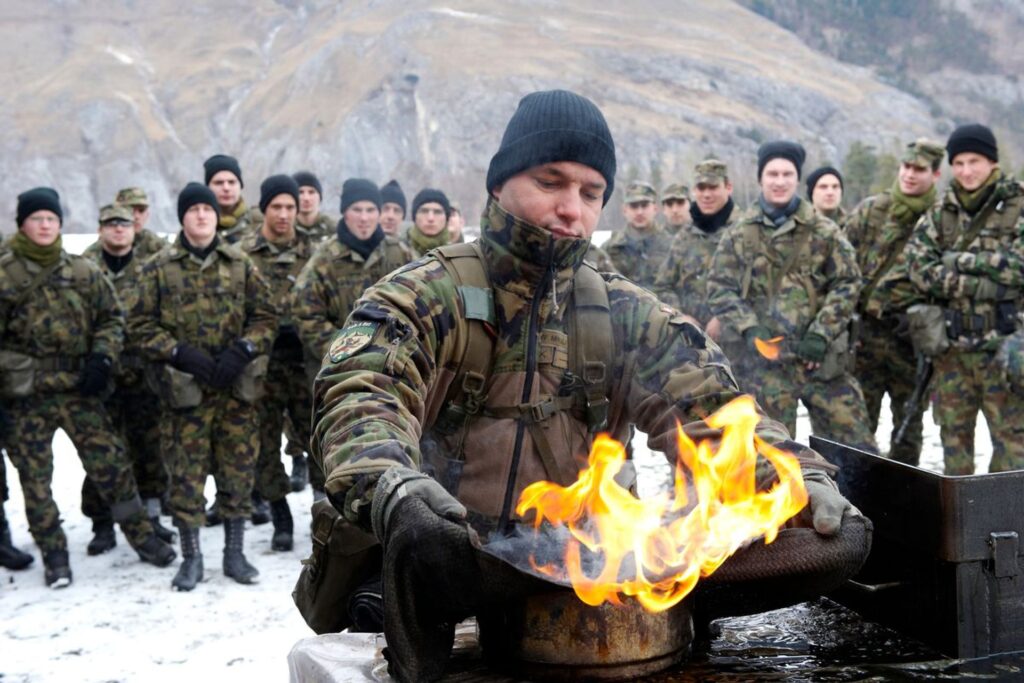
655 549
769 348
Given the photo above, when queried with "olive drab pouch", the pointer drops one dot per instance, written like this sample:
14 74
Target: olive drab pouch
927 324
17 374
344 557
837 358
248 388
179 389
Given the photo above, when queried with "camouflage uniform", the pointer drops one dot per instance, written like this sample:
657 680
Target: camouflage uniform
237 223
636 254
598 257
837 215
675 191
323 228
758 280
979 285
146 243
211 308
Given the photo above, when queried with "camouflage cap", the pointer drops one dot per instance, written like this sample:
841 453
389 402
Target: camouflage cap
640 192
924 152
710 172
675 191
132 196
116 213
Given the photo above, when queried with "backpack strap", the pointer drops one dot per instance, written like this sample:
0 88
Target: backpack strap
591 355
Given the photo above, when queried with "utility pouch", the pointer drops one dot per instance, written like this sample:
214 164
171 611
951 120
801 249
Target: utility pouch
17 374
248 388
837 358
344 557
179 389
928 330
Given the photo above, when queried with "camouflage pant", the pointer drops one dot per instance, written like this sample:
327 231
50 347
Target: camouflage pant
885 365
135 413
33 422
218 436
836 407
963 384
289 396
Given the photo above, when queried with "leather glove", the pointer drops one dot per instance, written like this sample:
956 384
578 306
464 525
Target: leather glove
826 507
397 483
812 347
194 361
95 375
230 364
756 332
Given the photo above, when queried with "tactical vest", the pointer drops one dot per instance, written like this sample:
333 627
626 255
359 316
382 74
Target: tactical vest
1007 210
754 244
15 269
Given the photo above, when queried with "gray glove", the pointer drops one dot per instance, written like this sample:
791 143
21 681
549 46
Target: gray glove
990 290
826 507
398 482
950 259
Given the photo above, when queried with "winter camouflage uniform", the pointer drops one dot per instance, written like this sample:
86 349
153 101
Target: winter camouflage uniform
758 279
978 279
323 228
235 225
216 302
636 254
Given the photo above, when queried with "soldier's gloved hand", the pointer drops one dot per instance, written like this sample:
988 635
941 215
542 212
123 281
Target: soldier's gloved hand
826 507
95 375
230 364
756 332
950 260
397 483
990 290
812 347
194 361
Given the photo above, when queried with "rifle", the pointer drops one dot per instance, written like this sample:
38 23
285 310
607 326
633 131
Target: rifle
922 378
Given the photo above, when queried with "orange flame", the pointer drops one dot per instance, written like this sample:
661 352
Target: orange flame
655 549
769 348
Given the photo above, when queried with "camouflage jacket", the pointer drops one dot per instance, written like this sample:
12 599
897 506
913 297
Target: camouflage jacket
72 313
280 266
838 215
674 229
208 310
331 281
385 380
145 245
598 257
232 228
323 228
638 255
949 272
129 366
747 285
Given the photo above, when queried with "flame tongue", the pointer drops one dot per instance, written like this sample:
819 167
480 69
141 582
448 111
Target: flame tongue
655 549
769 348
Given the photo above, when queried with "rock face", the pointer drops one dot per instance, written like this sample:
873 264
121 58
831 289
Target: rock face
105 94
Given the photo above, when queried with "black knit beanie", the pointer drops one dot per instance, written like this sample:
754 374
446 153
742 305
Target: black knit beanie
309 179
275 185
358 190
429 194
973 137
392 193
38 199
780 149
193 194
820 173
554 125
222 162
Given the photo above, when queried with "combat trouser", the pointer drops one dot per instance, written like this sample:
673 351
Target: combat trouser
288 394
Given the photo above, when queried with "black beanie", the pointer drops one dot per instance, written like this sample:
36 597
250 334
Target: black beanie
308 179
554 125
38 199
973 137
820 173
193 194
392 193
427 195
780 149
358 190
275 185
222 162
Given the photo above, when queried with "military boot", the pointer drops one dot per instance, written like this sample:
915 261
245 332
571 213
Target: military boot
156 552
283 525
260 510
162 532
58 570
235 564
11 557
300 473
103 537
191 570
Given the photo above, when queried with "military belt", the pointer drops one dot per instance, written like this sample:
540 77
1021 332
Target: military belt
60 363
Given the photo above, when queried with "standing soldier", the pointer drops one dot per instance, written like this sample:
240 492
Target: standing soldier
638 251
62 327
456 223
146 242
133 408
785 270
879 229
825 192
967 256
392 211
224 177
429 229
203 315
675 204
320 226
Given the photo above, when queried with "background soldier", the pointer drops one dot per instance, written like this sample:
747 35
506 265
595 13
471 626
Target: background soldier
825 191
62 326
392 211
638 251
224 177
429 229
675 204
456 222
786 271
145 243
320 226
967 255
204 313
879 229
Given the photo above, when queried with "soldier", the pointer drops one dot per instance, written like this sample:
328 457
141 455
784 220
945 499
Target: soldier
62 327
675 204
879 229
456 222
825 191
967 256
785 270
429 229
388 400
224 177
10 556
280 251
320 226
133 408
204 317
145 243
638 251
392 211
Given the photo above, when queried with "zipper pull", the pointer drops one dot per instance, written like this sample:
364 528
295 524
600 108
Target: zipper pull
554 295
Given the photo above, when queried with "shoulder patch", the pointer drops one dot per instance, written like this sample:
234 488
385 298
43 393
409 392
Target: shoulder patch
350 339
